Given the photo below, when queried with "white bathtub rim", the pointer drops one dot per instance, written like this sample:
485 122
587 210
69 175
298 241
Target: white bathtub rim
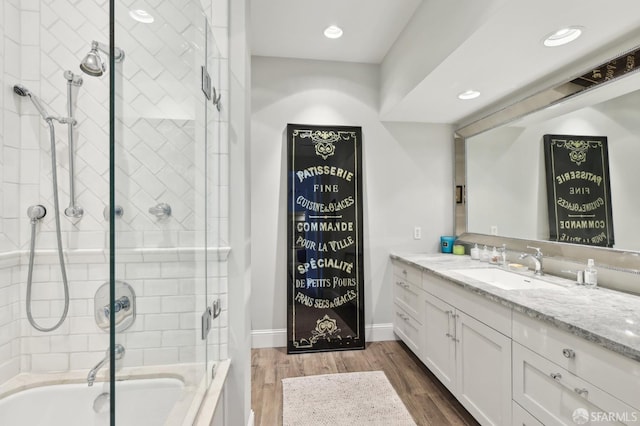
196 406
213 395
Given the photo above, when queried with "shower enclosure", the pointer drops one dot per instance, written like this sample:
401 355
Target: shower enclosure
126 147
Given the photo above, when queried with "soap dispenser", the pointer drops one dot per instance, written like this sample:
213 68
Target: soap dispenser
475 252
590 275
484 256
494 256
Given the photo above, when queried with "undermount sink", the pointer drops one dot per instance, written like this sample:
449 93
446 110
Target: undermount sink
505 280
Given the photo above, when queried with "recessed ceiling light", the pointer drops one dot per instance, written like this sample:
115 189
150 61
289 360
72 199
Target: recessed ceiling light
468 94
562 36
141 16
333 31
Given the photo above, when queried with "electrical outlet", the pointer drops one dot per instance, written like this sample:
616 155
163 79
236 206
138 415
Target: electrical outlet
494 229
417 233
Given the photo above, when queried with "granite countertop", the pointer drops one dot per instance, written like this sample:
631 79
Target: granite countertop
606 317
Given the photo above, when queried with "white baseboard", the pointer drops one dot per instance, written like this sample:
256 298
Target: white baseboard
277 338
251 421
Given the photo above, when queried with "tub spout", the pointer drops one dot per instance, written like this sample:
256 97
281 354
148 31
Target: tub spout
91 377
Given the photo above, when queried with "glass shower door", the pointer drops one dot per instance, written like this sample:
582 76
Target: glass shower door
161 220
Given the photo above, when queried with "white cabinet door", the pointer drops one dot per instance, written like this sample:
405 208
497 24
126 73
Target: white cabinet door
439 351
483 382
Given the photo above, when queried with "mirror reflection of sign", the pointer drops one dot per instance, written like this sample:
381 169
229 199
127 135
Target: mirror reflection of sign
578 191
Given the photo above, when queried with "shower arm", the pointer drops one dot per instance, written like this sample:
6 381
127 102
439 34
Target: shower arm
73 210
117 52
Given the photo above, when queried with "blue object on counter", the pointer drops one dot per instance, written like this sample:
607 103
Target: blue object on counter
446 244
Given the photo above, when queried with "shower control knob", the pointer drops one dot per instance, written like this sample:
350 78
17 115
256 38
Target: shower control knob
118 211
74 211
161 210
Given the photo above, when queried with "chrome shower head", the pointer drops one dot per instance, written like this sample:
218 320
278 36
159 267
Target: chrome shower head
93 65
19 89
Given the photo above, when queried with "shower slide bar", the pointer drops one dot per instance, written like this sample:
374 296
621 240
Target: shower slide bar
72 80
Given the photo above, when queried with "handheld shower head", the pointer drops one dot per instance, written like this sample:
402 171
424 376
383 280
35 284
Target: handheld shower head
93 65
23 91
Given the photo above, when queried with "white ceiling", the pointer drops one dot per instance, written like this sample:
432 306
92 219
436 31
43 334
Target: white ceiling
493 46
294 28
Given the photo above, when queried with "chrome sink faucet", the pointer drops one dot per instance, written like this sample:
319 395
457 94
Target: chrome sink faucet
537 259
91 377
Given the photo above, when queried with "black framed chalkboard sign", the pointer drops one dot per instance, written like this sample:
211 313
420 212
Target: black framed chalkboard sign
578 189
325 285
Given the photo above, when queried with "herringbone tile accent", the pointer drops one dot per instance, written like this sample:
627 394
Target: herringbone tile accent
161 156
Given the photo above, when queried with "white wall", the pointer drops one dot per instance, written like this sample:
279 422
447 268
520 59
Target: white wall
407 179
237 397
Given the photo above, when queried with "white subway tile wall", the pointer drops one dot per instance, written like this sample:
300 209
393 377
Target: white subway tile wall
159 159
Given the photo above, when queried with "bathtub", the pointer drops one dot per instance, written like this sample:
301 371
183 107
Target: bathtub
141 402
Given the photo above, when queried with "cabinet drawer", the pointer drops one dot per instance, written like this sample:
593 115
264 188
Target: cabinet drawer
611 372
521 417
556 396
409 297
408 273
407 328
490 313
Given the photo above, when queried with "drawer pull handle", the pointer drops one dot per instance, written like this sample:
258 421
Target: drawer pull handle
568 353
452 337
582 392
556 376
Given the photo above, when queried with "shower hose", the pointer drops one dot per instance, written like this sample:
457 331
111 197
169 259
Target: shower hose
54 177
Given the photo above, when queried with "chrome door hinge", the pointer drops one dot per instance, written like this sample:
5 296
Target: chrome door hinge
206 322
206 82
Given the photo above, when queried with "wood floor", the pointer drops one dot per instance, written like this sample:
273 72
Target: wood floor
428 401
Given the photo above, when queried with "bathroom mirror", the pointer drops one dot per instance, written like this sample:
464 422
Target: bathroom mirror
505 168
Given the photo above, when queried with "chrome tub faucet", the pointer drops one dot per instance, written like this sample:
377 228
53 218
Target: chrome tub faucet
91 377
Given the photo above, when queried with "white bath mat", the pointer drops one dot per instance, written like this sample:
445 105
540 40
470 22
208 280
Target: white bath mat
350 399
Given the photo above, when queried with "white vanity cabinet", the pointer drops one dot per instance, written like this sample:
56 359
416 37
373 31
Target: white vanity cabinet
464 350
408 300
560 378
507 367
